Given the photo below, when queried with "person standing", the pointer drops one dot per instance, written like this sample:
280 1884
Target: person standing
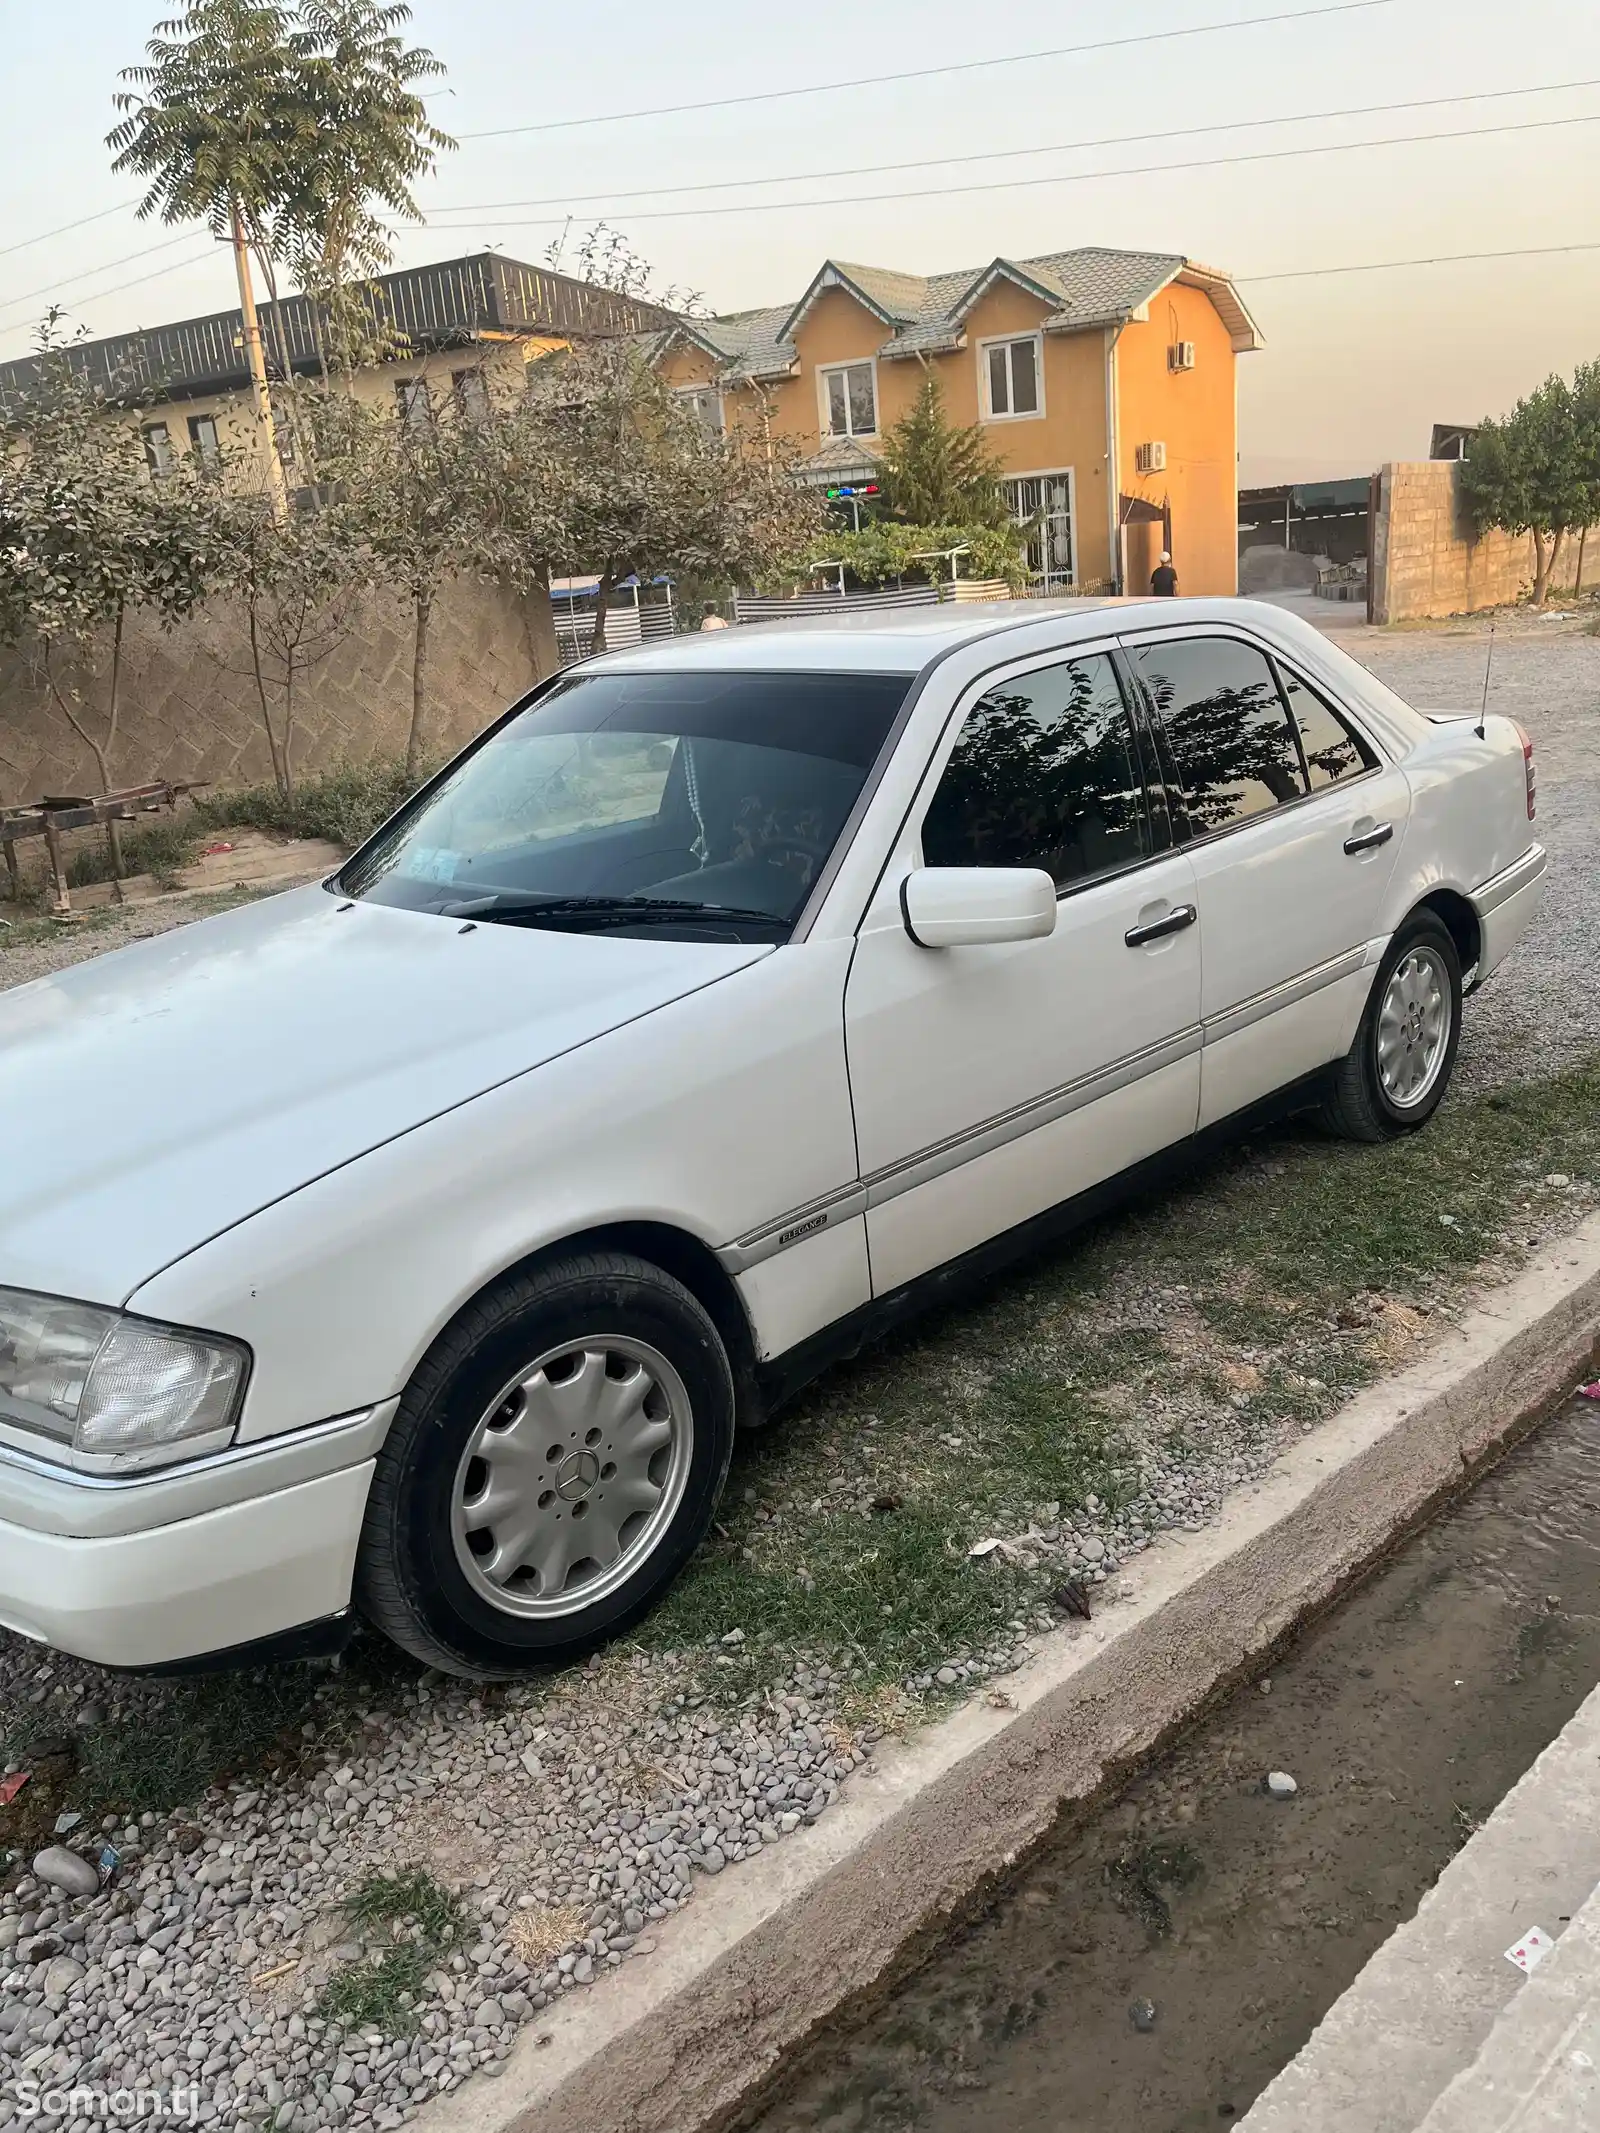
1164 579
710 619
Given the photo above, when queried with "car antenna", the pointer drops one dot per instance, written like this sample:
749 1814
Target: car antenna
1488 669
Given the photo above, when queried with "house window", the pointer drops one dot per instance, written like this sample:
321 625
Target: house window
1011 377
1042 505
850 397
414 401
158 450
204 442
705 402
471 392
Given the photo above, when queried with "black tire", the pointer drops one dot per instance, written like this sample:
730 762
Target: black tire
1357 1107
409 1582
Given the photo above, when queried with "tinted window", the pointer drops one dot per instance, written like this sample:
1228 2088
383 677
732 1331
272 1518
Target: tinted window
1332 751
706 794
1230 733
1043 775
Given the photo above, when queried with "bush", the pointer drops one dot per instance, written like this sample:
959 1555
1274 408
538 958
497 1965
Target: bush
344 805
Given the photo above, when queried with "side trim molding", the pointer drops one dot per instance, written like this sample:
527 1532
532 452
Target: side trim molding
935 1161
942 1156
1288 994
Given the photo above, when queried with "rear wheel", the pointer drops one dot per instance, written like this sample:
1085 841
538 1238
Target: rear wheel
553 1464
1393 1078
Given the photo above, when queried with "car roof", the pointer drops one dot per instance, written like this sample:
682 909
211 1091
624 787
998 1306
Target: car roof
905 640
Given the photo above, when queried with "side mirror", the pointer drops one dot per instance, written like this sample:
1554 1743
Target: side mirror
973 907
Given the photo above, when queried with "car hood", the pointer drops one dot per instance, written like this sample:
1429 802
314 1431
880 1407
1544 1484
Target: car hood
152 1098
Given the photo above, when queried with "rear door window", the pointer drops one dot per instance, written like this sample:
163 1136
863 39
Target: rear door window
1236 752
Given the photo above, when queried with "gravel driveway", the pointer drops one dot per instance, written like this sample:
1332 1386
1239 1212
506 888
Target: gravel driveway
573 1815
1542 1010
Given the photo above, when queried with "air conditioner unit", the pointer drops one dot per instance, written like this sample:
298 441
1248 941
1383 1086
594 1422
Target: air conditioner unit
1151 458
1180 356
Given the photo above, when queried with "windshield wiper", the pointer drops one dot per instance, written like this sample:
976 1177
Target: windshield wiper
609 911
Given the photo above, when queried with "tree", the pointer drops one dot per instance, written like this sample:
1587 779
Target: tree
1526 474
411 485
214 120
371 141
298 581
1586 404
647 489
284 130
937 472
89 538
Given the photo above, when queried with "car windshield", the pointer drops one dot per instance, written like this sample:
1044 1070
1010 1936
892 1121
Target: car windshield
667 802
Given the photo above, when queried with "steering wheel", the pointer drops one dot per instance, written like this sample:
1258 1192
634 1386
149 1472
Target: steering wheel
807 847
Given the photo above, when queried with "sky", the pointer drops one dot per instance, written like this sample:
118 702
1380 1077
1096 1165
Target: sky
1356 366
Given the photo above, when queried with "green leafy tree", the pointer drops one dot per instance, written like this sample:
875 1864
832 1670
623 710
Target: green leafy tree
214 121
937 472
298 582
1586 402
1526 473
632 483
289 131
410 484
89 539
371 142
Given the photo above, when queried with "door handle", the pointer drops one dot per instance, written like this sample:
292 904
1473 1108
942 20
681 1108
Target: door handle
1176 919
1369 840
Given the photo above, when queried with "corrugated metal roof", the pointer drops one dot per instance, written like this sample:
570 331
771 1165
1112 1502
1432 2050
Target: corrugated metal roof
444 305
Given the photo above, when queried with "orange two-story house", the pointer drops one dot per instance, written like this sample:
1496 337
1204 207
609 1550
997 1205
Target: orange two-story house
1103 380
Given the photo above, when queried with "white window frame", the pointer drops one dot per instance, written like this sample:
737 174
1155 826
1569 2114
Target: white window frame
160 452
825 371
1046 474
207 455
695 392
1009 340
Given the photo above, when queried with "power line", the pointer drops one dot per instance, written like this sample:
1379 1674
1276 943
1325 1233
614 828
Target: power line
964 66
106 266
1435 259
1074 177
62 228
1368 266
117 287
997 155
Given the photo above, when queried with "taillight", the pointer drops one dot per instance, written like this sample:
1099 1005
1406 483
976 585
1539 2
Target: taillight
1529 774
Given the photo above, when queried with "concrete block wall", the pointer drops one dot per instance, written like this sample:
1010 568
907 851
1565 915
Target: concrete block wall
190 710
1425 562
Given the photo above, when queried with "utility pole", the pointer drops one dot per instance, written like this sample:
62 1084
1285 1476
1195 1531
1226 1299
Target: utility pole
277 488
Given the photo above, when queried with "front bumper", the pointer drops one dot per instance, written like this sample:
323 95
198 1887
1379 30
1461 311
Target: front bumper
226 1552
1506 907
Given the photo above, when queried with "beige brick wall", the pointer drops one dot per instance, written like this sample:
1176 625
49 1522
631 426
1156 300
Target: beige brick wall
1424 561
189 707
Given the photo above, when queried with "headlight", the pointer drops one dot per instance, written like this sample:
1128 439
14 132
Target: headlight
117 1392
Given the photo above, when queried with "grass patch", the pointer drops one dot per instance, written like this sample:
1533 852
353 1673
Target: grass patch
162 849
423 1924
1275 1281
343 805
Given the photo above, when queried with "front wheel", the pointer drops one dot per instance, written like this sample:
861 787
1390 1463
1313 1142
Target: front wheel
1393 1078
553 1464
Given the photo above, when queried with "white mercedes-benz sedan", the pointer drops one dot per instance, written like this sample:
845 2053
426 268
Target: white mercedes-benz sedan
410 1246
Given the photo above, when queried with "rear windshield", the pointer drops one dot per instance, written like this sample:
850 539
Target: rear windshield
678 804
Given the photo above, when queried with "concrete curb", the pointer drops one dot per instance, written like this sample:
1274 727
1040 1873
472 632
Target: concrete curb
679 2042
